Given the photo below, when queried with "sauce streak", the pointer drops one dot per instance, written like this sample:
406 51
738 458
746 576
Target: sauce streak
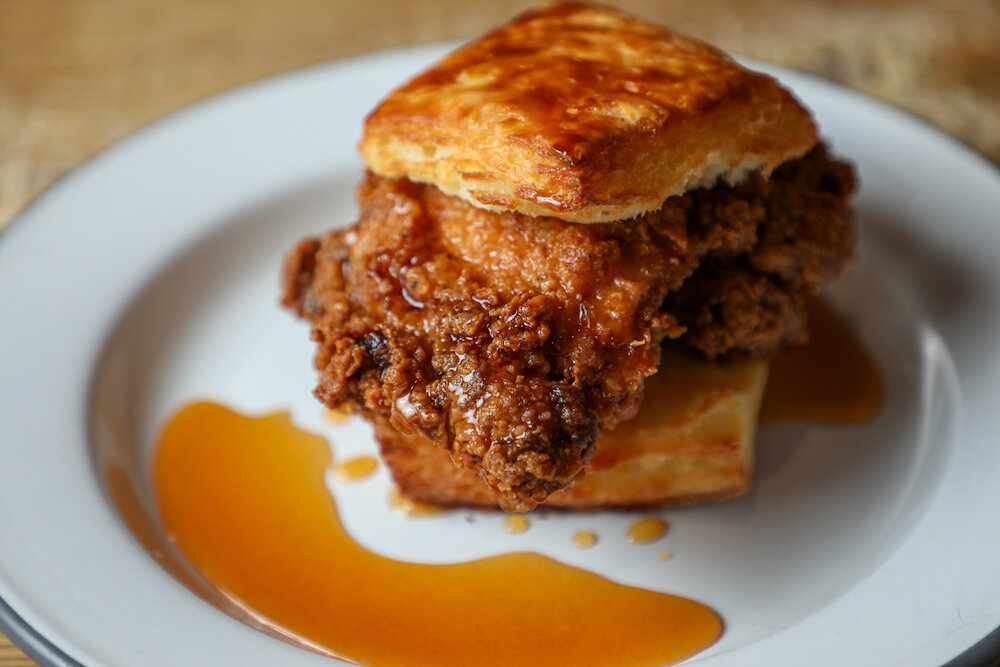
831 378
244 500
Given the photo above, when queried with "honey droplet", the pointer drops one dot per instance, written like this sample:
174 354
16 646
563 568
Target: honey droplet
584 539
403 506
646 530
665 555
356 469
515 524
336 416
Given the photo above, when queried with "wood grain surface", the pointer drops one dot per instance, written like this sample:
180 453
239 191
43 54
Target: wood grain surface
77 76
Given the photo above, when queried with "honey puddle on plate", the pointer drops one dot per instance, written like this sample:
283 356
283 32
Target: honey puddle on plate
831 378
244 499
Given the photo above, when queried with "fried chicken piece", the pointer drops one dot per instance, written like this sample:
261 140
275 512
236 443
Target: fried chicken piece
751 305
512 341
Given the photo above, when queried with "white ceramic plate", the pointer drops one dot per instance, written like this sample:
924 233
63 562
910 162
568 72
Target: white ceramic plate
149 277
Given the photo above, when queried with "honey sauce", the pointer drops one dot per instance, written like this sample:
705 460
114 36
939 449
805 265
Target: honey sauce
244 499
832 378
404 506
584 539
336 416
646 531
356 469
515 524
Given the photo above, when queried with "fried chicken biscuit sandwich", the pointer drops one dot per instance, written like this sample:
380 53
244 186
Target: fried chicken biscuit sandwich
551 215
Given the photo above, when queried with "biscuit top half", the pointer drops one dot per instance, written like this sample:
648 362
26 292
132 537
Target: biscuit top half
585 114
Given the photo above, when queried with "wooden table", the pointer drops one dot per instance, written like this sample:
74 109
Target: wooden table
77 76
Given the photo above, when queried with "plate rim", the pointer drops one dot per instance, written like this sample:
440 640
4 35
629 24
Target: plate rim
16 627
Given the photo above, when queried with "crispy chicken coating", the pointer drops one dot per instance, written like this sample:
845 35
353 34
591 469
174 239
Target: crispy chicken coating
512 341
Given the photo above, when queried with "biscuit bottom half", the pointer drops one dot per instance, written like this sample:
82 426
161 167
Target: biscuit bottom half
691 440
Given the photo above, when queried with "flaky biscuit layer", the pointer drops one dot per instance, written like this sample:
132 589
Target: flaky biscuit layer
586 114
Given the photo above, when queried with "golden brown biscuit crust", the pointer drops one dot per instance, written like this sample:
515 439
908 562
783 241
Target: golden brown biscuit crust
583 113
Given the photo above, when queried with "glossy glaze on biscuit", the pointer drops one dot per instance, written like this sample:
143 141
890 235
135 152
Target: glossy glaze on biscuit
585 114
